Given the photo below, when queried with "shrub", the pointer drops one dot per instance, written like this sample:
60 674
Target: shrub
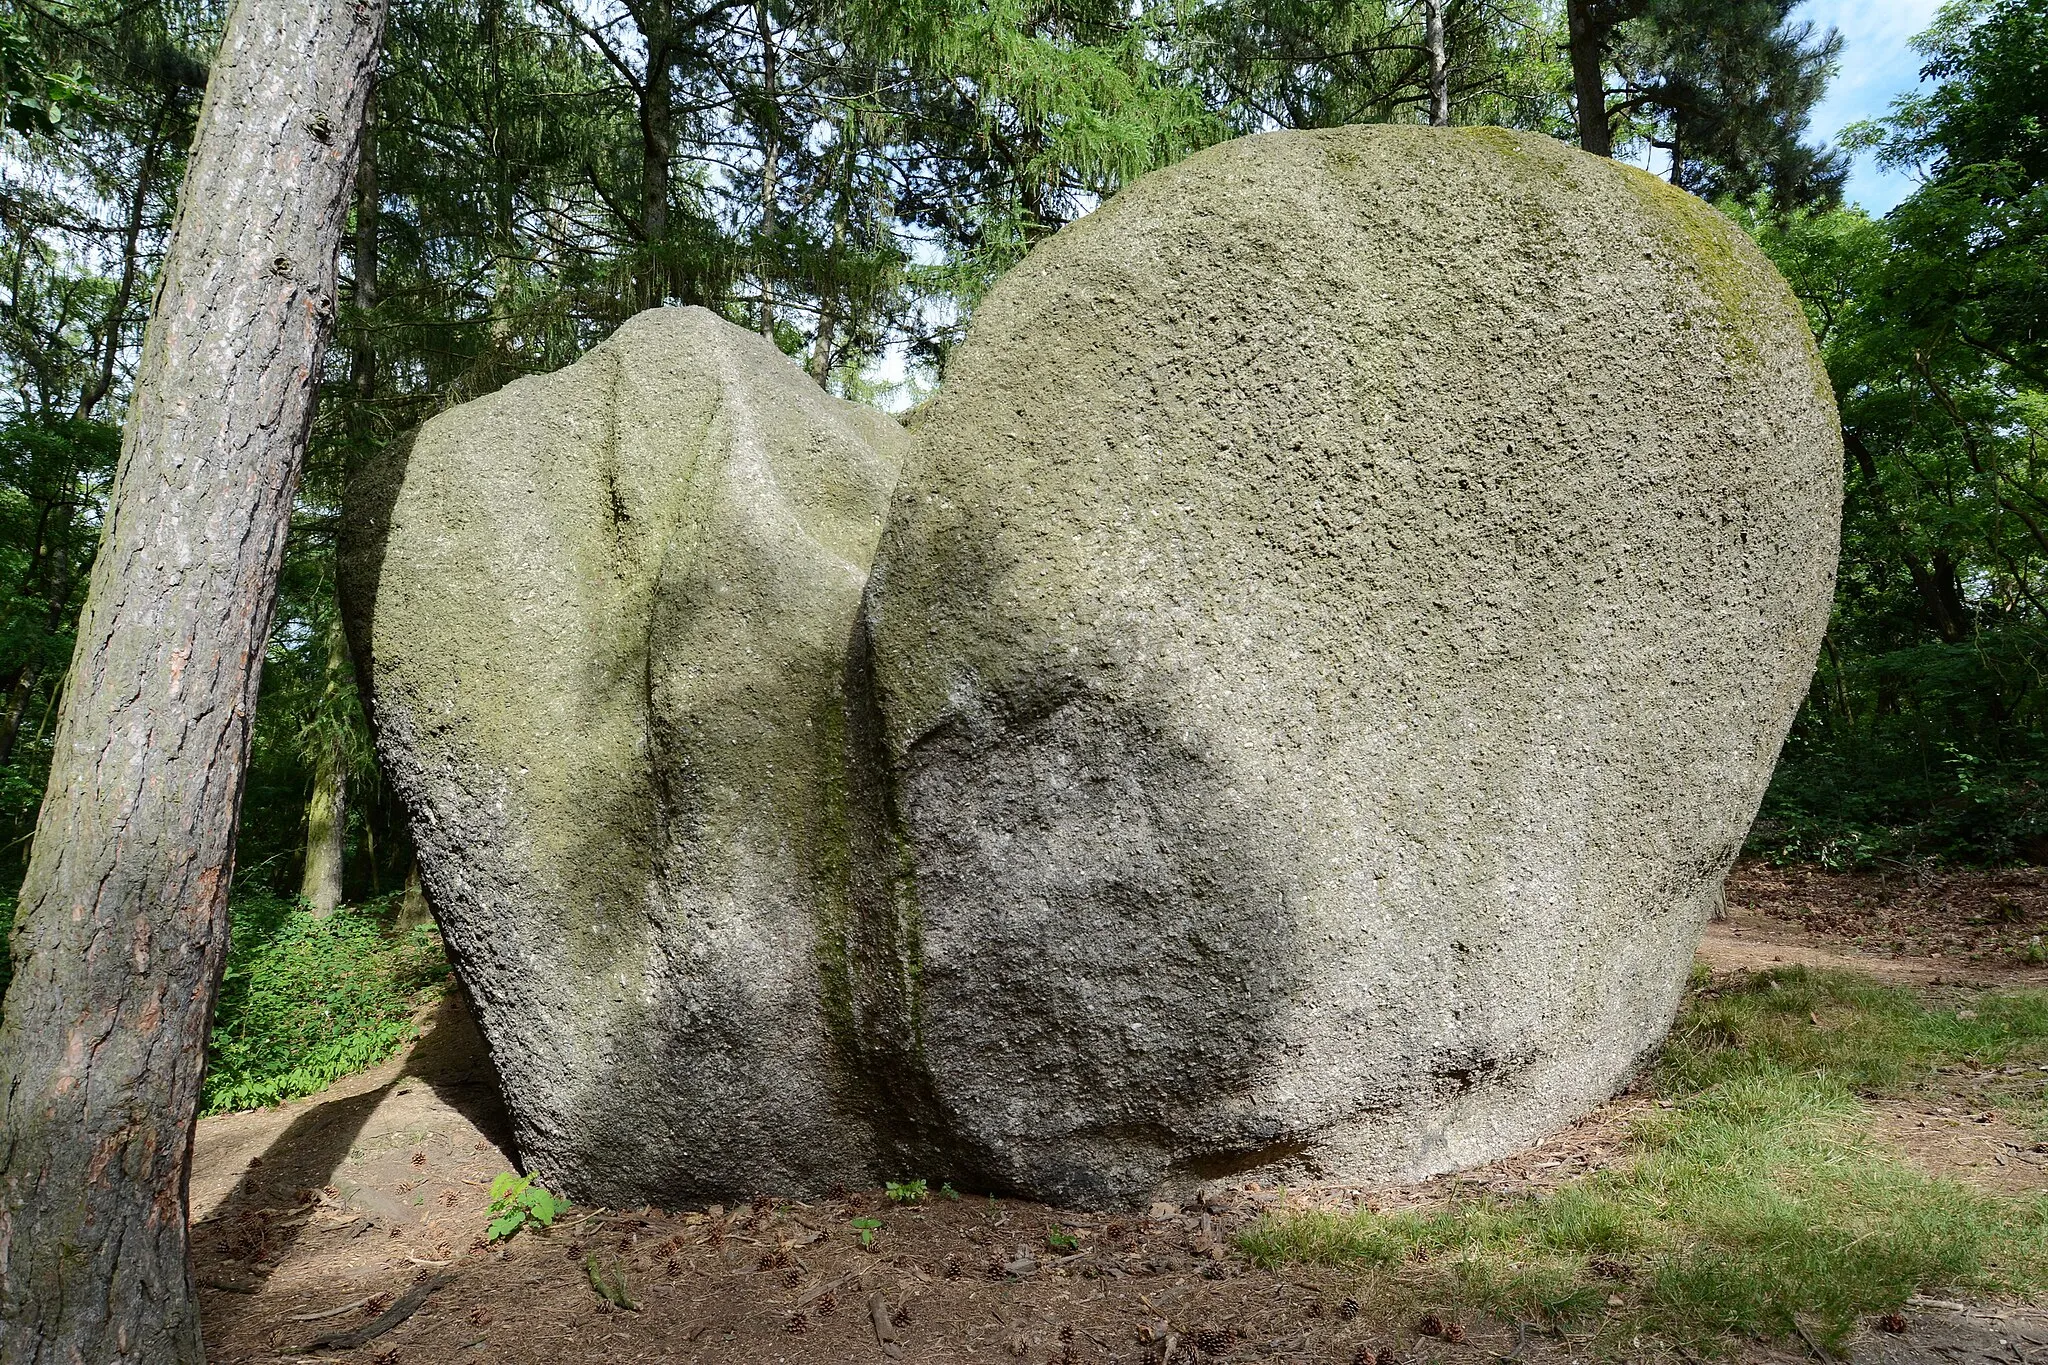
306 1001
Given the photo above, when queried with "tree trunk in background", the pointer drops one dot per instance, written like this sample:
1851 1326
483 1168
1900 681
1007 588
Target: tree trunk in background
1439 66
771 164
327 808
122 925
1588 41
657 146
823 342
22 686
413 910
50 577
362 357
326 828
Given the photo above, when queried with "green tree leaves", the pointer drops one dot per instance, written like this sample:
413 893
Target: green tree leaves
1926 727
35 97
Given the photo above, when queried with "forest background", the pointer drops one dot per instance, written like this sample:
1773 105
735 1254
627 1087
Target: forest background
849 177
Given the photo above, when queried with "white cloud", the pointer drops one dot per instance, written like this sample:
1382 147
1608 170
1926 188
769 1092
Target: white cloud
1878 65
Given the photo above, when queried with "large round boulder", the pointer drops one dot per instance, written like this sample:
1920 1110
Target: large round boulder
1328 645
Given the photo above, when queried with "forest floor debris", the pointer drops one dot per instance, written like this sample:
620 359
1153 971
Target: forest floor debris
1912 921
331 1211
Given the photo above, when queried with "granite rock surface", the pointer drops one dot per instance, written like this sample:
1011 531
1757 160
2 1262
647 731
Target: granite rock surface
602 616
1330 642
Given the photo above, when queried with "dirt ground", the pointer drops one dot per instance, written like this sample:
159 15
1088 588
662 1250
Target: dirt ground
318 1218
1955 925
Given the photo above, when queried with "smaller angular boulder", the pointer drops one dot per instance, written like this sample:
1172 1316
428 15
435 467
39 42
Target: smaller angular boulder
603 617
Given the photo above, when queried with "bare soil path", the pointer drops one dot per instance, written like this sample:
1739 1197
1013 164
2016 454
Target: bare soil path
317 1217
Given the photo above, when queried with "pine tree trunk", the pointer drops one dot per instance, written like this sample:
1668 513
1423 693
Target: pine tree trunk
362 359
657 145
1439 66
413 910
823 356
1588 42
771 165
123 916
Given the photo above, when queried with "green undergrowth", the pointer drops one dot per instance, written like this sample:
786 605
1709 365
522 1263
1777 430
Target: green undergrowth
1758 1194
306 1001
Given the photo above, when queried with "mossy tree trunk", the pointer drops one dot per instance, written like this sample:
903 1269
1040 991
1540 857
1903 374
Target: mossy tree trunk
413 910
326 830
327 807
123 916
326 826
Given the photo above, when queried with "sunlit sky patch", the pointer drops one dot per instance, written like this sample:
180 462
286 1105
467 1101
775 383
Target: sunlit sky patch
1878 65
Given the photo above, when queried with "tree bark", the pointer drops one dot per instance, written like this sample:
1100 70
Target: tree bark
327 808
362 359
823 344
122 925
1588 42
18 694
1439 66
326 826
771 164
657 146
413 910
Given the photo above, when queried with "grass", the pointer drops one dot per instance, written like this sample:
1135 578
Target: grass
306 1001
1757 1196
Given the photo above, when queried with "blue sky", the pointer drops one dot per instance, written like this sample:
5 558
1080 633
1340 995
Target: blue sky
1877 65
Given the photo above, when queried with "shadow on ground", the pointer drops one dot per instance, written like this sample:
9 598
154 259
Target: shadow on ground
261 1180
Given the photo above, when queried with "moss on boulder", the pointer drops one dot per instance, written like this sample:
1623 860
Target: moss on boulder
603 616
1331 639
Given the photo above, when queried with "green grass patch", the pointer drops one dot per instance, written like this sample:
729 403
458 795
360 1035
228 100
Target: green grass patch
1756 1196
306 1001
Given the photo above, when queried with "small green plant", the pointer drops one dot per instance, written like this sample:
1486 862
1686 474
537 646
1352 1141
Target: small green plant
1060 1240
865 1229
518 1201
947 1191
905 1191
609 1283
